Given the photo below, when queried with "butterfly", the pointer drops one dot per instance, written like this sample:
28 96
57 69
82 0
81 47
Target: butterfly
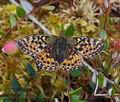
58 52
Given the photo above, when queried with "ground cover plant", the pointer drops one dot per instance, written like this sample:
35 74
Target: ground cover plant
26 75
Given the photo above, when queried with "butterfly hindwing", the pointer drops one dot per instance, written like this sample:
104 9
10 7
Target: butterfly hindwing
72 62
45 61
33 44
87 47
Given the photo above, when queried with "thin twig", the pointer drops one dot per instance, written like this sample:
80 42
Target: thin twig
96 72
32 18
95 92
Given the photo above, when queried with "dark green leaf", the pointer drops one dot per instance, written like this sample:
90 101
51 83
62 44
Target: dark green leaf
15 85
40 98
20 11
12 21
30 70
91 87
75 73
101 80
69 31
75 92
7 99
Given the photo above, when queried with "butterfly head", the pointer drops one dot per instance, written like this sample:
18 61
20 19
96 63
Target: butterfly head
60 60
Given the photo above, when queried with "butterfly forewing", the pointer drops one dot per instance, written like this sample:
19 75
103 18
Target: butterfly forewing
33 44
87 47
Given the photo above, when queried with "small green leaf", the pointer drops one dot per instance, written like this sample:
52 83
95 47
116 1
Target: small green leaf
20 11
69 31
15 85
75 92
75 98
2 32
103 34
22 96
30 70
106 45
101 80
75 73
7 99
2 99
12 21
113 91
102 21
62 27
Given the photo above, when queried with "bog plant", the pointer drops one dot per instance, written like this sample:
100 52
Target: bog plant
21 81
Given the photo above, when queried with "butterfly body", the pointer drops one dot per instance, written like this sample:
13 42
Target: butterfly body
53 52
60 49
